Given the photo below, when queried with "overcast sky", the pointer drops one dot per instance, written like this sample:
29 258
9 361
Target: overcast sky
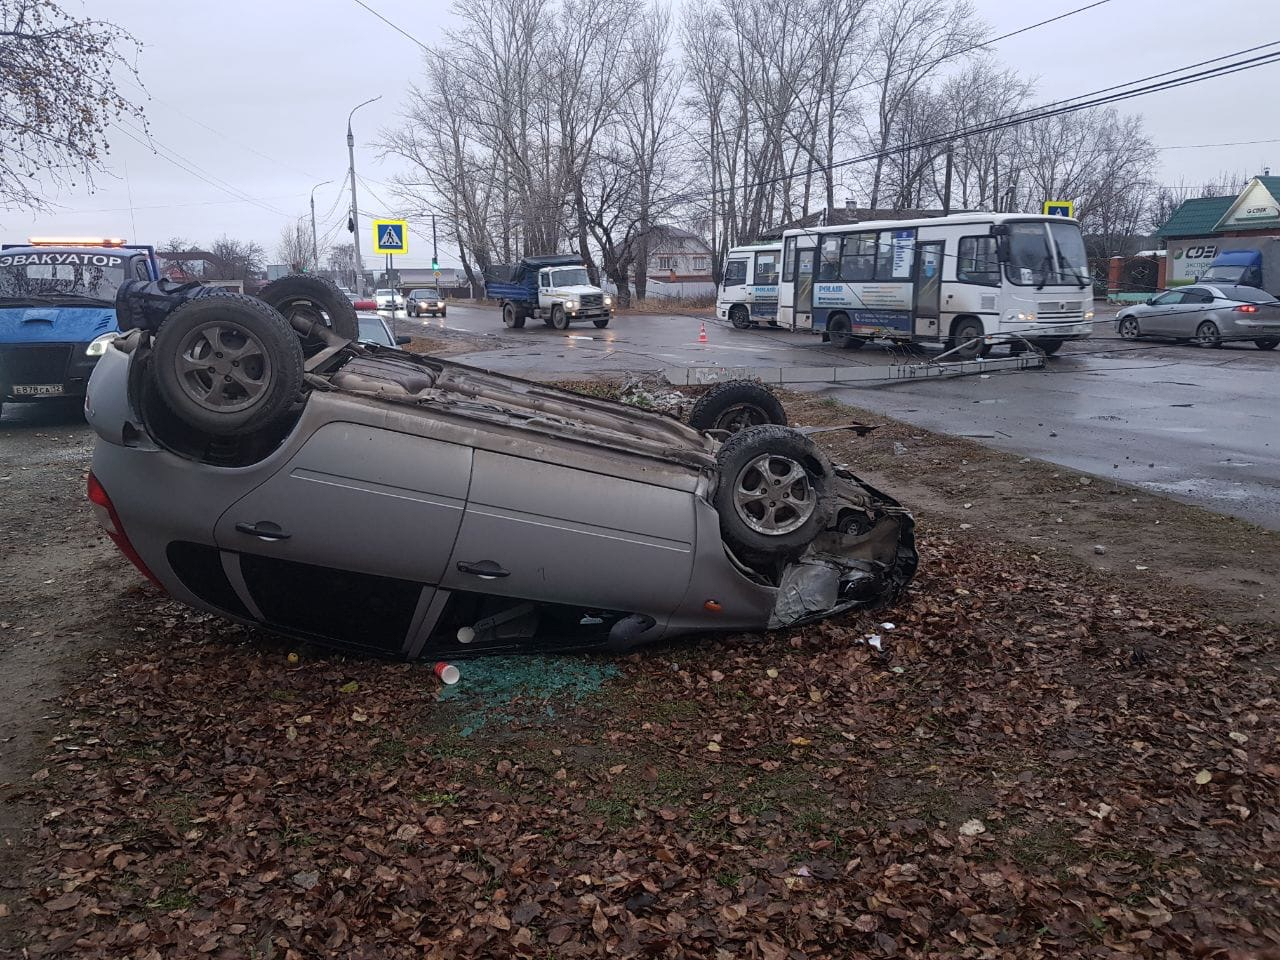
255 93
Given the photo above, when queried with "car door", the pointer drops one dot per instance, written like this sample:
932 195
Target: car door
1155 317
348 540
562 534
1188 315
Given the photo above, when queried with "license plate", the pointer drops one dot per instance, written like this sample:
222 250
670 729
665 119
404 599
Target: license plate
37 389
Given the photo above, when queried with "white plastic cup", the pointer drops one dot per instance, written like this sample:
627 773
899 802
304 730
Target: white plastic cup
447 673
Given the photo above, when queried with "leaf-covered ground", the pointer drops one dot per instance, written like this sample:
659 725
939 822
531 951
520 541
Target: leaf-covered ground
1041 762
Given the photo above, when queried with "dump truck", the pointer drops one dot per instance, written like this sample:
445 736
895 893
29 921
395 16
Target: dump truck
553 288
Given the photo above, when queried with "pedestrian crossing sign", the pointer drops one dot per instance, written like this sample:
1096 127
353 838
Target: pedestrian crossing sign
1059 208
390 236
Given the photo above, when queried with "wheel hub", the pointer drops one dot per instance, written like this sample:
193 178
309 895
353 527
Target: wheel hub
774 495
223 367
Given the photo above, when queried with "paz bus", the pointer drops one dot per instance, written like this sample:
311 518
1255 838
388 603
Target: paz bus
949 280
748 294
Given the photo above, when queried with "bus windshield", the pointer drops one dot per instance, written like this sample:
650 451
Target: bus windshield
1042 253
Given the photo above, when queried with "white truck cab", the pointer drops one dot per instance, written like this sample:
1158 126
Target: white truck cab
748 293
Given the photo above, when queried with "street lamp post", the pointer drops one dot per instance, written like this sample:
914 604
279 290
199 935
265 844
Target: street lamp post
355 210
315 248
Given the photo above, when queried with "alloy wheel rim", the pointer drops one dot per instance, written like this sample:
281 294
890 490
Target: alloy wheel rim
223 367
774 495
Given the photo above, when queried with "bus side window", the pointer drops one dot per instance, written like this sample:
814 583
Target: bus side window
735 273
977 261
788 259
859 261
766 268
829 258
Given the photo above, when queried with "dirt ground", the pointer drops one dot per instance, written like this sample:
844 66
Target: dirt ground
1058 752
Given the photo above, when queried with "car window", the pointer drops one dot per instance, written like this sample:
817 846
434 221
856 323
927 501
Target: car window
1167 298
1247 295
1197 295
373 331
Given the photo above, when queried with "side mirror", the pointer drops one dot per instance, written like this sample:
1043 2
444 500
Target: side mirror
1149 301
402 340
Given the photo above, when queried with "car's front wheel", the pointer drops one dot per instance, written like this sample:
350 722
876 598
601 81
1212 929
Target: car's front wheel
774 494
559 319
226 364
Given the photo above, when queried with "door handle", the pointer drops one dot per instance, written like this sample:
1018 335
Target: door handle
484 569
263 530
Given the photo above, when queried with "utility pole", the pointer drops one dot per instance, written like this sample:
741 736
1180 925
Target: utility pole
315 249
435 263
355 210
946 183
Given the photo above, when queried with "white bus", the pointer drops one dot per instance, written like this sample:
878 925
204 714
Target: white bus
748 294
946 280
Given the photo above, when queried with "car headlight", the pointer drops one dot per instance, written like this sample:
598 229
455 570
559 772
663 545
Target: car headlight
99 345
439 304
571 304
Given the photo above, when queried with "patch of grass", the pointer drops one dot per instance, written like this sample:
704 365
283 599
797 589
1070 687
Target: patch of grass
282 696
180 809
728 879
616 812
173 899
297 839
394 751
436 799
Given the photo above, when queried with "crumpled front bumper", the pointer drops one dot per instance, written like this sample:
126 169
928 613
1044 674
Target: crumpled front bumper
843 571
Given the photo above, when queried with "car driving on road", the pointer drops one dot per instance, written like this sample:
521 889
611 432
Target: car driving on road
254 459
1207 314
388 299
425 303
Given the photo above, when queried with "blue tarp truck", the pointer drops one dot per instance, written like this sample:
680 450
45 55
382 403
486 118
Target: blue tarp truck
57 311
554 288
1248 268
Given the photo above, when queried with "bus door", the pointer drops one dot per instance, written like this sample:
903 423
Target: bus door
805 260
927 281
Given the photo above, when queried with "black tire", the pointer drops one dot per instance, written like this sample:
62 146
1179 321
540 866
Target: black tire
964 330
601 323
1129 328
305 302
220 394
739 317
735 405
838 328
1049 347
511 317
1267 343
442 313
1208 335
750 462
559 319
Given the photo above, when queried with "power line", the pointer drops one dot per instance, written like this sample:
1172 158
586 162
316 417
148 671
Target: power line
398 29
1201 146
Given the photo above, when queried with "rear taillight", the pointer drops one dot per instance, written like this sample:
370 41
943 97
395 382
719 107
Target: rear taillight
1247 308
109 520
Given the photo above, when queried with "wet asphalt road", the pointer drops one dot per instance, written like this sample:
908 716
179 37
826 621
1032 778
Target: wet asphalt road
1195 424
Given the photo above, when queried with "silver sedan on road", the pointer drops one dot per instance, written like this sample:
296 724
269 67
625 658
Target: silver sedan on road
1209 315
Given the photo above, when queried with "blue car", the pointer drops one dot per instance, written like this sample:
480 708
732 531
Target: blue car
57 312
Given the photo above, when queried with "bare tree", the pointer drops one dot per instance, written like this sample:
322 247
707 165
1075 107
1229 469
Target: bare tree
58 94
342 261
295 247
240 260
912 39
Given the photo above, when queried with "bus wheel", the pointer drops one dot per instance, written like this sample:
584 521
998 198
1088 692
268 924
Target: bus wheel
739 317
965 330
838 327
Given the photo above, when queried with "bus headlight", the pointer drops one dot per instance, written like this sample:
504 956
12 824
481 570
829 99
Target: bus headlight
99 345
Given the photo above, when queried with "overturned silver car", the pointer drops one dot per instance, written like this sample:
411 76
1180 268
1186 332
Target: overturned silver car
255 460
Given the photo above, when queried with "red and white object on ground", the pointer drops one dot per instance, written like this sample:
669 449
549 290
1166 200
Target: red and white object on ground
447 673
702 333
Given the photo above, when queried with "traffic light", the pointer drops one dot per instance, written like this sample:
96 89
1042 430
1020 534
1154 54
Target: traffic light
435 265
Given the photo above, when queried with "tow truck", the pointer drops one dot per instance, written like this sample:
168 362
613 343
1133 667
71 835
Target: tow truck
57 311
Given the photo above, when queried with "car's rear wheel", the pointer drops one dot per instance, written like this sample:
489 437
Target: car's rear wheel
307 302
559 319
1267 343
1208 335
774 495
735 405
739 317
227 363
1129 329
